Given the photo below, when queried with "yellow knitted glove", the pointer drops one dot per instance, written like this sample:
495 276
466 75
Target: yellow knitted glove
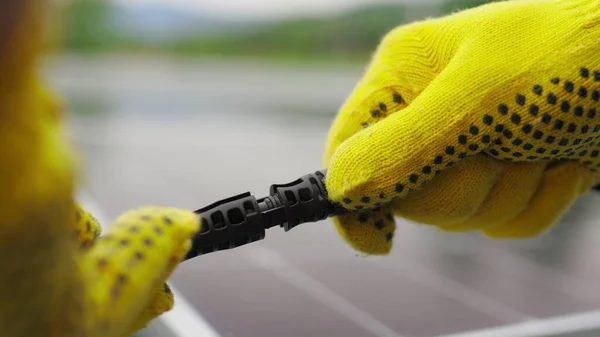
59 277
123 272
487 119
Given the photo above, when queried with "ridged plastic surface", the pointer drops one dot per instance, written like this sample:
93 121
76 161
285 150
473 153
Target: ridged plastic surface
243 219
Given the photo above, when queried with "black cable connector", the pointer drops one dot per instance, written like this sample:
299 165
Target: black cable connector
243 219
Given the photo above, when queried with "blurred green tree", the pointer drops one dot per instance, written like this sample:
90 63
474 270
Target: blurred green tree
87 26
353 34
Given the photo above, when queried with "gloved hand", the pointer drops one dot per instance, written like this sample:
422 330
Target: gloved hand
123 273
487 119
58 277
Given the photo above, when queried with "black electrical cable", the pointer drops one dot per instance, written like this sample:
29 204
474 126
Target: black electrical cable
243 219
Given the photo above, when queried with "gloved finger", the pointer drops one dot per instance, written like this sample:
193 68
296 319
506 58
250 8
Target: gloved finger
365 107
85 227
454 195
136 256
396 75
162 301
401 153
561 185
369 231
509 196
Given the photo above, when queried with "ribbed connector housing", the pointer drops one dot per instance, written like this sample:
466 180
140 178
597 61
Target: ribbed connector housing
243 219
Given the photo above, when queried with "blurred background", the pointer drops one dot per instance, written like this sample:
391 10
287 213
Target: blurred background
184 102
